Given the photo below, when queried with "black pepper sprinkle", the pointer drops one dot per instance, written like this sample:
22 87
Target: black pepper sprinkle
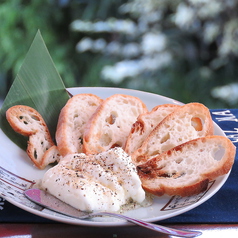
83 167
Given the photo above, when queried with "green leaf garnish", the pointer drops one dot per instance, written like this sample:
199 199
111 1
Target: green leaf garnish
37 85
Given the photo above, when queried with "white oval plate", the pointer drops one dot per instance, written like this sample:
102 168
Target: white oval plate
17 174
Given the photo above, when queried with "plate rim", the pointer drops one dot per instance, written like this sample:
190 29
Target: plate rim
122 223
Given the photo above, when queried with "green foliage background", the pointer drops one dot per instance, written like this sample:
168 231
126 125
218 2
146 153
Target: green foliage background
200 42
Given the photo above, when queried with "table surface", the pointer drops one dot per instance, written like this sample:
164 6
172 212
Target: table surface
64 230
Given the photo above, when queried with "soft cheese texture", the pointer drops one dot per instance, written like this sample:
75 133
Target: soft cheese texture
102 182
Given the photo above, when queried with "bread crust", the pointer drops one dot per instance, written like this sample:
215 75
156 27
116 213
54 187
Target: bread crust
111 123
72 120
145 123
186 123
28 122
186 169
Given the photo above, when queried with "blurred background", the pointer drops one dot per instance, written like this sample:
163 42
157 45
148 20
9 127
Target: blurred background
186 50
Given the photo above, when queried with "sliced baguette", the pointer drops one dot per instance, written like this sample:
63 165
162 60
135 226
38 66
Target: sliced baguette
145 124
72 120
188 122
28 122
187 169
111 123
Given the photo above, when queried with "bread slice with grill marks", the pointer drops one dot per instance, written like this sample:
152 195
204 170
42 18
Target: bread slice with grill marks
187 169
188 122
110 125
145 124
28 122
72 120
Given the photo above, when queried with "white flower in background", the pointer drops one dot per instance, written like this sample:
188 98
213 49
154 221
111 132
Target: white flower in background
101 26
132 68
131 50
198 2
108 74
151 17
85 44
111 25
138 7
211 31
142 25
155 62
99 45
124 26
126 8
210 9
114 48
121 70
229 41
184 16
228 93
82 26
153 42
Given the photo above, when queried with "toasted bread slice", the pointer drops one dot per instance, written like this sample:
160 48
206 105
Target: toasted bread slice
50 156
28 122
145 123
187 169
72 120
111 124
188 122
